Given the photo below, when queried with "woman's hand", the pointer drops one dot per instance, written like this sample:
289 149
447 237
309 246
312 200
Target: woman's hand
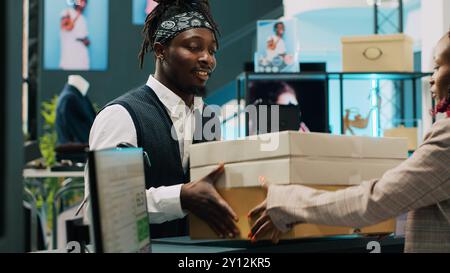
263 225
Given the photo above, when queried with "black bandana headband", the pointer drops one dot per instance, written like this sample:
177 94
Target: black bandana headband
174 25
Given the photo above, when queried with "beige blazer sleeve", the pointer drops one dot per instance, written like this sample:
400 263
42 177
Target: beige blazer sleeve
420 181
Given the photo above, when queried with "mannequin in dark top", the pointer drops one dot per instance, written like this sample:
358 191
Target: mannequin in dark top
74 112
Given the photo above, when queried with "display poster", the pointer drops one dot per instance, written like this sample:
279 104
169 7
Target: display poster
76 35
277 46
142 8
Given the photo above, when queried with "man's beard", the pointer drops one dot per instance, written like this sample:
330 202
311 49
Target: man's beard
198 91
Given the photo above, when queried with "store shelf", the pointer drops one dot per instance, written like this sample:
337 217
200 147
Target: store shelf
396 76
399 77
335 76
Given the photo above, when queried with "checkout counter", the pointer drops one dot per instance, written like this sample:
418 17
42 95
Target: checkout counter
338 244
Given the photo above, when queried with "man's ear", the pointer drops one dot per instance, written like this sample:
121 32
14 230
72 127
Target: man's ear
159 50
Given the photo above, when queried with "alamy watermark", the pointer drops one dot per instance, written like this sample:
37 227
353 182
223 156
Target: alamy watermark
374 247
262 119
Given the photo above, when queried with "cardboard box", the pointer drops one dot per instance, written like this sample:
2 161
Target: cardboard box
411 134
242 200
300 170
378 53
295 144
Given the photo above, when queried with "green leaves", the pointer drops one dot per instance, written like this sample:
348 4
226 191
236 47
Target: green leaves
47 141
48 112
47 146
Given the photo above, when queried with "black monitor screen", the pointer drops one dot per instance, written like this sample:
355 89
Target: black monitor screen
311 97
120 221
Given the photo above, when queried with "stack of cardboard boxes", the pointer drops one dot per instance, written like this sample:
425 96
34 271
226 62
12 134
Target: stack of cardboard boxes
321 161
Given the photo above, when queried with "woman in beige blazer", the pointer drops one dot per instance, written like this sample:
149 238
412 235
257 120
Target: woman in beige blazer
419 186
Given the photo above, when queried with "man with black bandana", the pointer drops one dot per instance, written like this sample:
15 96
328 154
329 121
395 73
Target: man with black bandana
160 118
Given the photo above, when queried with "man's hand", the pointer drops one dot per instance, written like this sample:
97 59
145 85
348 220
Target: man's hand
263 224
202 199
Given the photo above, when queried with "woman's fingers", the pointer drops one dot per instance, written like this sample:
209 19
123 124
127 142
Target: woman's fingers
260 222
258 209
262 206
262 230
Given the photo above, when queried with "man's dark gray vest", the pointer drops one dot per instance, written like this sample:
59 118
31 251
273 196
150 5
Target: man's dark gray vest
153 127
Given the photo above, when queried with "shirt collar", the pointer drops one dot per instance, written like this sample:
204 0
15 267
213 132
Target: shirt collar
171 101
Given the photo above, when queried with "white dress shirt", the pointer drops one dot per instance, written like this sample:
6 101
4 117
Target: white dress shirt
114 125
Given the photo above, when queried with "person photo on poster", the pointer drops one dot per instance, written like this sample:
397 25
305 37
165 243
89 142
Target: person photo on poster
275 43
74 37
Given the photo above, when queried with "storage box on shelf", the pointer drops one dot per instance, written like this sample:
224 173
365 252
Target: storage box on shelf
381 53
